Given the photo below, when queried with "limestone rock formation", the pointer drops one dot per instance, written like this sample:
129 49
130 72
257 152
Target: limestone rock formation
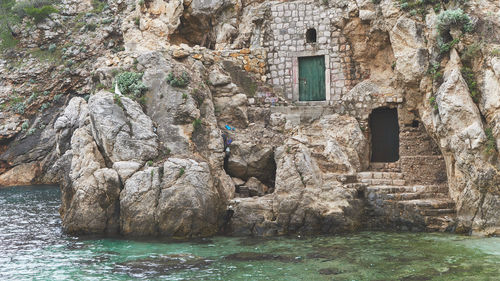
181 202
188 203
307 197
222 138
459 129
121 129
407 40
93 190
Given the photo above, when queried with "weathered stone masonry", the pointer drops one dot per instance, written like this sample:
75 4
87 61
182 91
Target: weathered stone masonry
288 26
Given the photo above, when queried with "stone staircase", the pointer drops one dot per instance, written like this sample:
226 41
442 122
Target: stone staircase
391 203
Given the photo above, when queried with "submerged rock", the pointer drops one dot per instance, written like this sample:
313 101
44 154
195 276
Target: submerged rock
252 256
161 265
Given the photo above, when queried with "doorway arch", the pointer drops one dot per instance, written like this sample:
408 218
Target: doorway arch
384 128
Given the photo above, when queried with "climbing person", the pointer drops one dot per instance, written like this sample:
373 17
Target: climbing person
226 138
228 142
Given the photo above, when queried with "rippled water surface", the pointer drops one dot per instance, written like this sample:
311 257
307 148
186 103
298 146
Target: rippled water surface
32 247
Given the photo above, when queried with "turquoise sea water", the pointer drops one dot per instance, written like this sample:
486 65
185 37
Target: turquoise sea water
33 247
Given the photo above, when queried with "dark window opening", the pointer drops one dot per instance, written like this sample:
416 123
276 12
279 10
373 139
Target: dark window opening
311 35
384 130
414 124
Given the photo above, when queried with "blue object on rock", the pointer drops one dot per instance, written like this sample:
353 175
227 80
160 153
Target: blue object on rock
228 127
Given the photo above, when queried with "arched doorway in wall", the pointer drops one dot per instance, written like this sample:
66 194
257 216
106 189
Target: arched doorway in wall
384 130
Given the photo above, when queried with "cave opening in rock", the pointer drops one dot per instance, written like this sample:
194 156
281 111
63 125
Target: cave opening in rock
311 35
253 172
384 130
194 31
415 124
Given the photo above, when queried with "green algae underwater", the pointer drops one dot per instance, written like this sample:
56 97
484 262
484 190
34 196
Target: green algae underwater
33 247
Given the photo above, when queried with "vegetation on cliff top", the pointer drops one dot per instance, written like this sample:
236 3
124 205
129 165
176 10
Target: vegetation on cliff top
11 13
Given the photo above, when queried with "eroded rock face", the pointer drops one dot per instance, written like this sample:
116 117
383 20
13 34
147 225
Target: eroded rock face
138 203
157 20
93 190
100 148
123 133
173 109
73 117
307 197
407 39
472 174
111 190
183 202
188 203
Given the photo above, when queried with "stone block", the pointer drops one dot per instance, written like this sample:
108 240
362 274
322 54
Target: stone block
398 182
365 175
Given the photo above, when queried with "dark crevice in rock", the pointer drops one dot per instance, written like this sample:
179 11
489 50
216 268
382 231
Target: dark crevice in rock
254 182
107 161
225 221
195 31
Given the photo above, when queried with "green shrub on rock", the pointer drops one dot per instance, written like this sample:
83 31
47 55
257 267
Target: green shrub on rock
39 14
130 84
450 18
25 126
20 7
491 144
180 81
470 79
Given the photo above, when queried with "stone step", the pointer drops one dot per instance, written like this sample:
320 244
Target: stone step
427 204
412 195
356 185
437 212
379 175
402 189
441 224
383 181
437 220
385 167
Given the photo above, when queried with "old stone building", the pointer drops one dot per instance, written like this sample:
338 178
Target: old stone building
311 61
307 56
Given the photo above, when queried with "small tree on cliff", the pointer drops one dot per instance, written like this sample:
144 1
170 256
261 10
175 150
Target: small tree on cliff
6 19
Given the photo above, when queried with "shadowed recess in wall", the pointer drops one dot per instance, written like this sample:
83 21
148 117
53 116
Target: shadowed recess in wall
385 135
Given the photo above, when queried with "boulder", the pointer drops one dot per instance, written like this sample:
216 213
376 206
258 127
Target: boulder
125 169
217 78
255 187
23 174
305 200
188 204
232 109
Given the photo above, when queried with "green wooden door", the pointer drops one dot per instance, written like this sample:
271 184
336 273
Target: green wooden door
312 78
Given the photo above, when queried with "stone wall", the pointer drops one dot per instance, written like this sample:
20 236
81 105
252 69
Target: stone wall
288 25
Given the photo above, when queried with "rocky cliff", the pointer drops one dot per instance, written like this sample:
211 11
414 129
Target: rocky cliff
130 106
